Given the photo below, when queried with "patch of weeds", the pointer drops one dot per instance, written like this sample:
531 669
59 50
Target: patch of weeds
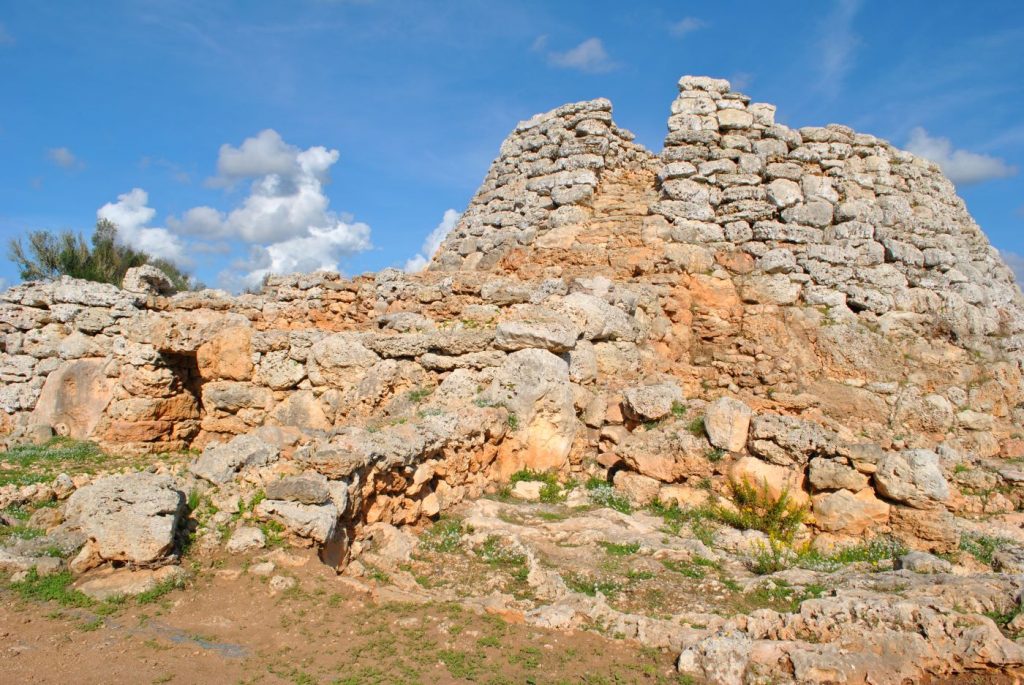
591 586
715 455
696 426
781 596
605 495
374 573
159 590
874 552
678 409
550 492
684 568
982 547
20 532
55 587
274 532
92 624
512 421
757 509
496 553
444 536
1002 619
28 464
674 518
420 394
462 664
616 549
771 558
551 516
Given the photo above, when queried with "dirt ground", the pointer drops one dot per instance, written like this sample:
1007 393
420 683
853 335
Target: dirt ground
227 629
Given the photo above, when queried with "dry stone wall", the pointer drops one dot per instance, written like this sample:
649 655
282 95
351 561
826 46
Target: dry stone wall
813 310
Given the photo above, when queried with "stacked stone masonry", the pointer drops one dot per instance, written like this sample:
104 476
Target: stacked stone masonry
821 300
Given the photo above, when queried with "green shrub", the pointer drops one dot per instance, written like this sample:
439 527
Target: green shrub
982 547
756 509
605 495
696 427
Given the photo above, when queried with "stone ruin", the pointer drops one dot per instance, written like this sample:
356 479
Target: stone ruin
811 310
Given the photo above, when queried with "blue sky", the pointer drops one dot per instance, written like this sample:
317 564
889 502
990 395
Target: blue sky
242 137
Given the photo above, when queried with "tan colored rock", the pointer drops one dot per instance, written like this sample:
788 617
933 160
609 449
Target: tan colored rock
123 582
727 421
227 355
74 398
640 490
771 478
848 513
684 496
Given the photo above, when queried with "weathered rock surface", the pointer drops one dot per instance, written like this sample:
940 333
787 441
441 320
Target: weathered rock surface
131 518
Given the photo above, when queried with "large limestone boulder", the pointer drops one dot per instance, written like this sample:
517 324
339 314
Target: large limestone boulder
220 462
852 514
550 333
74 398
651 402
534 386
912 477
727 422
597 319
317 522
668 455
307 488
339 360
130 518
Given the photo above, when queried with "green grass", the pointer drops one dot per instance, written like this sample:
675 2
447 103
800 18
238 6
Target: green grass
686 569
674 518
55 587
873 552
678 409
159 590
715 455
780 596
615 549
982 547
28 464
419 394
551 491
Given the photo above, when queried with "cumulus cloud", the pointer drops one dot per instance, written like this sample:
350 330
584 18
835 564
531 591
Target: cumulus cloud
64 158
837 44
132 215
286 217
961 166
433 242
589 56
685 26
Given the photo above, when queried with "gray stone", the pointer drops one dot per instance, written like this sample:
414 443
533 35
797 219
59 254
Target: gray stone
922 562
130 518
147 279
651 402
317 522
912 477
727 421
308 488
220 462
246 539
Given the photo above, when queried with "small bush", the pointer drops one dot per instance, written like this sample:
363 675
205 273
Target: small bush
696 427
757 509
715 455
605 496
420 394
771 558
678 409
513 421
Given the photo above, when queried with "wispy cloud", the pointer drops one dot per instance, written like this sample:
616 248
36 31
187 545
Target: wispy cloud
64 158
5 36
837 45
1016 262
589 56
686 26
433 242
963 167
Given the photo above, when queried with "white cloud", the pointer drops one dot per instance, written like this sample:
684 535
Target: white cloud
64 158
265 153
131 215
837 45
961 166
1016 263
5 37
685 26
286 218
433 242
589 56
